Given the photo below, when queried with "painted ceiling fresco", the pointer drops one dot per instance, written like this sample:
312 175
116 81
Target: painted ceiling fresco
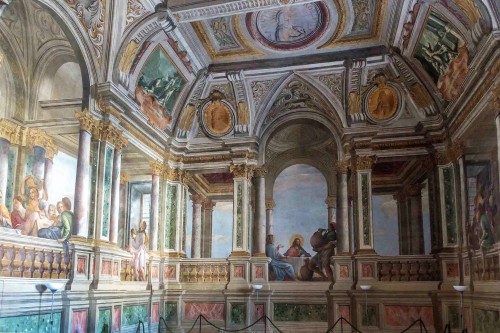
159 85
302 27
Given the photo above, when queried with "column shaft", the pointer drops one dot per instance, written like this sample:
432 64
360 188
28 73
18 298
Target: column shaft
270 204
196 233
154 216
260 215
342 213
82 187
115 196
4 168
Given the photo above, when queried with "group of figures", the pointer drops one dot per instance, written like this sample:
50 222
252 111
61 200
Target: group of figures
138 247
323 242
32 215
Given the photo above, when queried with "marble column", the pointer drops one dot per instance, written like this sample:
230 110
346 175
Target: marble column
241 204
411 230
206 227
260 223
196 233
38 166
343 234
174 203
362 167
429 164
115 195
82 186
123 208
4 168
49 165
270 204
154 216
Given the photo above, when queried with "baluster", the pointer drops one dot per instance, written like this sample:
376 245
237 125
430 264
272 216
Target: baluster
50 261
22 259
211 272
422 272
225 273
11 255
58 260
414 267
31 258
405 271
41 268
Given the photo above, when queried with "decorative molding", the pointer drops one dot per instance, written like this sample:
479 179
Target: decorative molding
173 174
111 134
335 83
10 131
91 17
135 9
231 8
260 89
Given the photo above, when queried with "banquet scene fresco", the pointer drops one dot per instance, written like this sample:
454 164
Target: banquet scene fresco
302 160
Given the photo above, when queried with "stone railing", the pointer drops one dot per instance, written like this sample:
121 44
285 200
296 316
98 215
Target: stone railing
488 271
408 268
29 257
200 271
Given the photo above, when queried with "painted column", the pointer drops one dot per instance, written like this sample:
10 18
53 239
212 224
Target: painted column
174 213
497 123
411 230
196 233
123 208
206 227
50 152
115 189
448 199
429 164
404 240
82 187
343 233
260 220
331 205
270 204
107 184
4 168
154 216
362 166
241 205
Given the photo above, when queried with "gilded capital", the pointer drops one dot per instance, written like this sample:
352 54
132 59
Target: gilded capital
196 199
342 166
10 131
241 170
50 150
157 168
208 204
172 174
331 201
87 122
363 162
270 204
124 178
260 172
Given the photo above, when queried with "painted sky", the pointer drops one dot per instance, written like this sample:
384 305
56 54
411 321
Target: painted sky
222 229
299 192
64 169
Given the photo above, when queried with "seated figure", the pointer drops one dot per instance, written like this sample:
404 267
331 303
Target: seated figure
281 269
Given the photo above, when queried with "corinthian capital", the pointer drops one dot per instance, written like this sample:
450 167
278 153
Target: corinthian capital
157 168
87 122
342 166
10 131
242 170
260 172
363 162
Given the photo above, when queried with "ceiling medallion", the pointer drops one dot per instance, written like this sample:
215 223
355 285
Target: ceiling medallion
217 116
383 101
289 28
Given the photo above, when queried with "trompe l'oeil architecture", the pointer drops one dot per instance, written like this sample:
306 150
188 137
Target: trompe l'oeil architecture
301 160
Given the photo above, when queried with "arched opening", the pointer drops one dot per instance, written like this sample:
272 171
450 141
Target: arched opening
299 193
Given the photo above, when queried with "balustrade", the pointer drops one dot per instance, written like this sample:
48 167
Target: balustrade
204 272
486 271
408 268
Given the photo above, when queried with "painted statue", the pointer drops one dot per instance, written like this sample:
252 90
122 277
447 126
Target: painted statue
138 248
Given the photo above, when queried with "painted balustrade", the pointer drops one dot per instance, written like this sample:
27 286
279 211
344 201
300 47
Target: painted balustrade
203 271
408 268
486 268
28 257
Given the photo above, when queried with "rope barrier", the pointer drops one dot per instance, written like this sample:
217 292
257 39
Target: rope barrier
138 330
164 323
341 320
420 322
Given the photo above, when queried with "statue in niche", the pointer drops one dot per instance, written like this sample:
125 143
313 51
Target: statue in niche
138 248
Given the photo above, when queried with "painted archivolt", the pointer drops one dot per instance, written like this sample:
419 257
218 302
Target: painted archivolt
91 14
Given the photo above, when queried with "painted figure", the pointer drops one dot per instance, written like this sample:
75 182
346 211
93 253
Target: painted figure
281 269
285 30
62 230
139 251
296 249
324 245
18 214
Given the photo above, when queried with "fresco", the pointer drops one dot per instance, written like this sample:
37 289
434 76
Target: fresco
222 224
483 229
443 54
289 27
221 31
298 232
159 85
363 10
383 100
43 208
